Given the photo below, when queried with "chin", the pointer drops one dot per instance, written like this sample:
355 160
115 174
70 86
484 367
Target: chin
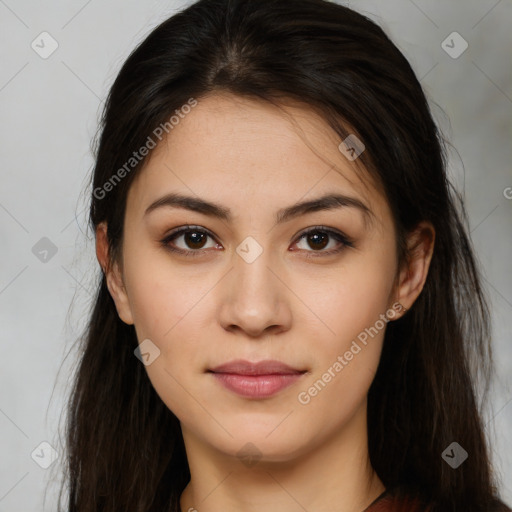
251 444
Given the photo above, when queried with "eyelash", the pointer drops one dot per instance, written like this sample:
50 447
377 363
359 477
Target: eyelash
338 236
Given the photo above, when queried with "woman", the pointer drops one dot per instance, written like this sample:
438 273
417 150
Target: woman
289 306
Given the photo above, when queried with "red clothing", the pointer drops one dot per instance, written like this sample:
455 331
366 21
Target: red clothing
386 503
383 505
390 502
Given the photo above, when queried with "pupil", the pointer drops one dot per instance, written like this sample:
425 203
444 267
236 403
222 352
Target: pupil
316 238
192 239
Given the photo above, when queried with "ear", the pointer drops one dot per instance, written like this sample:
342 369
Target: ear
420 245
113 275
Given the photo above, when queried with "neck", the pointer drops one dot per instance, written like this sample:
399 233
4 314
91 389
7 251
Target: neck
335 475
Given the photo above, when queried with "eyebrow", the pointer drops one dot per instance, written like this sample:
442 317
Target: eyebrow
326 202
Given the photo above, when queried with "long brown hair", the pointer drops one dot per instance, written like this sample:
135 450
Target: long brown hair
124 447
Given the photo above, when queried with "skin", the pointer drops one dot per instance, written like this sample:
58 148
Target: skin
206 310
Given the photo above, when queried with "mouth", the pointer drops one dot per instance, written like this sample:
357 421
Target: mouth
258 380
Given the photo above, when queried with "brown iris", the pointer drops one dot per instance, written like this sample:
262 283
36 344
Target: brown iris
195 239
318 240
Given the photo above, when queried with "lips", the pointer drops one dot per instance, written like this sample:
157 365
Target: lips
267 367
256 380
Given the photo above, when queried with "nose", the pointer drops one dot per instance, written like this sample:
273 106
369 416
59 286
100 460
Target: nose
255 298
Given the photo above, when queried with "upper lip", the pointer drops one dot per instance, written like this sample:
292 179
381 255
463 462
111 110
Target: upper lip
266 367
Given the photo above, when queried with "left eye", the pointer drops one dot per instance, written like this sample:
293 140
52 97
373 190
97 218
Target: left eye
195 238
318 238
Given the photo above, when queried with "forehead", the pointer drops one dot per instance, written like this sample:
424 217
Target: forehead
244 152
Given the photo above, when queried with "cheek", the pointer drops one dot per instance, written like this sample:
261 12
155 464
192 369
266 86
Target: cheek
344 368
350 298
168 310
162 294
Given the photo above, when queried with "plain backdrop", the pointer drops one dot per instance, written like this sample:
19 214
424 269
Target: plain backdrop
49 116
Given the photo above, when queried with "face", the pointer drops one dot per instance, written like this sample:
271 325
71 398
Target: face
255 280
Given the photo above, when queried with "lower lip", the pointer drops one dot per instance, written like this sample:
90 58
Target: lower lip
256 386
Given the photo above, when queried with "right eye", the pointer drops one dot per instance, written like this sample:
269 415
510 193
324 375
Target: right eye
192 236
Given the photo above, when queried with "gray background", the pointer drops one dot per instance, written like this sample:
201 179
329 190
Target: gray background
49 114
